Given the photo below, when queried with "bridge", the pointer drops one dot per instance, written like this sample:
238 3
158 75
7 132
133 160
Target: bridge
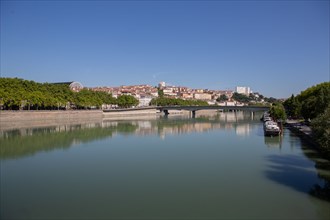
193 109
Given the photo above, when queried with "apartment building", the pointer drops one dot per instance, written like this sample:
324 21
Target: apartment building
202 96
243 90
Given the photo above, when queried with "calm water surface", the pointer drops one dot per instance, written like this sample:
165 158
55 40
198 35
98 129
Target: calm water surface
216 166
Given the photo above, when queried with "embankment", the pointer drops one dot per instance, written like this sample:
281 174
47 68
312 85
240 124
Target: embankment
24 119
123 114
27 119
304 131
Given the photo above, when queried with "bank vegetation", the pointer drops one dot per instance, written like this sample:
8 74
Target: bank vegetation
313 106
20 94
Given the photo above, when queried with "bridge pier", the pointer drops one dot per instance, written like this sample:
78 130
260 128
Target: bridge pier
193 114
166 113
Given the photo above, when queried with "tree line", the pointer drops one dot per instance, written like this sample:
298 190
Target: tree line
20 94
164 101
313 105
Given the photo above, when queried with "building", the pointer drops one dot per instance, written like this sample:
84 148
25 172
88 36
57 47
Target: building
161 84
243 90
202 96
186 96
144 101
169 91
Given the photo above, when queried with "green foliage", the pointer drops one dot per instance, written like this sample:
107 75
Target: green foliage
21 94
321 130
277 111
241 98
270 99
160 93
314 100
222 98
126 101
162 101
293 107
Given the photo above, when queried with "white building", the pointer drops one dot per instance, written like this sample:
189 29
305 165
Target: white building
161 84
202 96
243 90
144 101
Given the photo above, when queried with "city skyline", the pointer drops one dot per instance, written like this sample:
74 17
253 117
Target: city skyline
275 48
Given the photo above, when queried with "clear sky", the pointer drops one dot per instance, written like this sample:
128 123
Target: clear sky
275 47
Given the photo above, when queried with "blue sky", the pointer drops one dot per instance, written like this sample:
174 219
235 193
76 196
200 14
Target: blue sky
275 47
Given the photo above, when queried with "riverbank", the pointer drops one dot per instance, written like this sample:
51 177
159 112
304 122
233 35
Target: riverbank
25 119
10 120
305 132
48 115
302 130
43 118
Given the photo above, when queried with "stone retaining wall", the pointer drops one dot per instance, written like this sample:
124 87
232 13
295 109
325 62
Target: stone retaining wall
28 119
129 113
11 116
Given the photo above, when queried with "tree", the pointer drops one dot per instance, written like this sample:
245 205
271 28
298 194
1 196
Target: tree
321 130
160 93
222 98
314 100
35 99
292 107
277 111
23 94
126 101
162 101
270 100
241 97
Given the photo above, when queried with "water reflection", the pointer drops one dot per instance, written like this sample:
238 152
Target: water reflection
273 141
27 141
214 174
298 173
322 189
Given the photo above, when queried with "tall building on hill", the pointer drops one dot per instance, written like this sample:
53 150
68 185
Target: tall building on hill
161 84
243 90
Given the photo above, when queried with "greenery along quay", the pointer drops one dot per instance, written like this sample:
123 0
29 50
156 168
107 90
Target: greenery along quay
312 107
19 94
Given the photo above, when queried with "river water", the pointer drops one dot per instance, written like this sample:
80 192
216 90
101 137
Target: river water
214 166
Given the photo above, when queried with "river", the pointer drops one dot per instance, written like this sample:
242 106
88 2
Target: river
214 166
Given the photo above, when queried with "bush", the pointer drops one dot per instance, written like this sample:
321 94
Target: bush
321 130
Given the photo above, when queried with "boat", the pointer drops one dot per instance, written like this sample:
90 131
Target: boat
265 117
271 128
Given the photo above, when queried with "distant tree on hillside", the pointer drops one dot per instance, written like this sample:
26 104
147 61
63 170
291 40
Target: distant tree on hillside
270 99
241 97
222 98
163 101
160 93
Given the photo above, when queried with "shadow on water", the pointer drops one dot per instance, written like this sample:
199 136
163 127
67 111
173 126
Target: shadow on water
299 174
